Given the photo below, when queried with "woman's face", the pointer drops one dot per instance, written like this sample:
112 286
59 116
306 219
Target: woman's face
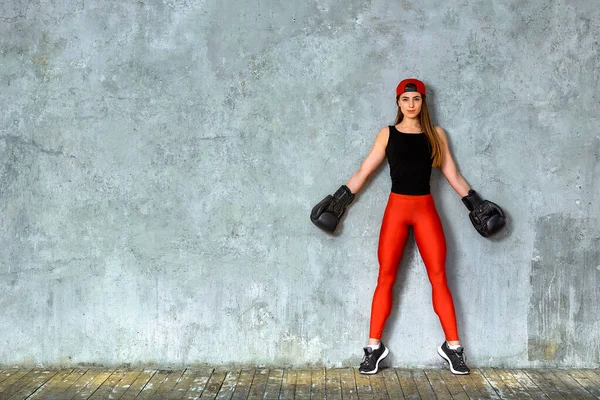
410 104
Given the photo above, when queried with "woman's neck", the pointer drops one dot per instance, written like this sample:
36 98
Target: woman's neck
409 127
408 123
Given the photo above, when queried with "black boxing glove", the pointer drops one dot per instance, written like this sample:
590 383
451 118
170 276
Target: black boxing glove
487 217
328 212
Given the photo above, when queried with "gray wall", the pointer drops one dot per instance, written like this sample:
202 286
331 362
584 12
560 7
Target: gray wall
159 160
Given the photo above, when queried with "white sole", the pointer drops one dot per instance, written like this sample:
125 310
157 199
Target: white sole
445 357
383 356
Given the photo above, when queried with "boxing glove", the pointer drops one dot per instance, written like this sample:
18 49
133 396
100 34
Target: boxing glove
328 212
487 217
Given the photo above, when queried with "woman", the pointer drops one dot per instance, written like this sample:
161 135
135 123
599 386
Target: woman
413 146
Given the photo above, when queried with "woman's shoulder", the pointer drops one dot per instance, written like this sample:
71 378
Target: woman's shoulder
440 131
383 136
385 131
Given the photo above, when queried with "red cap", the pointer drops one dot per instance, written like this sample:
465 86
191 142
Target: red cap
401 88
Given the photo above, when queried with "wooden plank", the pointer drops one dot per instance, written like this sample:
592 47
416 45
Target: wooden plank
317 389
43 392
173 377
593 375
20 383
437 384
242 389
214 384
550 391
333 387
81 383
303 381
425 389
483 385
273 387
140 382
177 389
363 386
593 370
452 384
392 384
94 384
228 386
469 386
103 392
528 384
198 384
37 380
409 387
378 386
495 380
584 380
572 384
557 384
288 385
153 384
191 384
348 382
259 384
14 379
6 373
513 384
121 387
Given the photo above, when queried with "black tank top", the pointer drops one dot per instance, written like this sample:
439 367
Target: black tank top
409 156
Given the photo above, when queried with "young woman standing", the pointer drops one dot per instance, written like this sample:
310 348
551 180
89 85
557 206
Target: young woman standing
413 146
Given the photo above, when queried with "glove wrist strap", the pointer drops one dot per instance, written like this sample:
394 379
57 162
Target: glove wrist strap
472 200
344 195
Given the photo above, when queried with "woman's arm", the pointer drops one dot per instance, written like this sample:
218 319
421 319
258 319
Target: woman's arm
455 179
370 164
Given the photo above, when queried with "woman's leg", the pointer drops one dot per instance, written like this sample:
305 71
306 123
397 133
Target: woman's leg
430 239
392 238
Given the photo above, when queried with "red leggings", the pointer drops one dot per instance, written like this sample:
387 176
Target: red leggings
420 212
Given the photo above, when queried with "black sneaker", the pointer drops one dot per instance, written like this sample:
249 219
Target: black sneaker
370 364
456 359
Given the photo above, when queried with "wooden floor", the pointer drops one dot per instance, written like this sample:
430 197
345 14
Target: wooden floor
262 383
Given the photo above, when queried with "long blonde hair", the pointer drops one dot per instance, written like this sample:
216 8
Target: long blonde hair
432 136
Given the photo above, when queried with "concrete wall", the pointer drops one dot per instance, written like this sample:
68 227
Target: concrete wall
159 160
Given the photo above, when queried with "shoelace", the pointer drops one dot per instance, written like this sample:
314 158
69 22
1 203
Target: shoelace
462 358
367 361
